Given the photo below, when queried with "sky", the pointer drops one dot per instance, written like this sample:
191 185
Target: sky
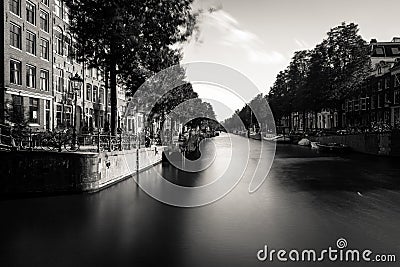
258 37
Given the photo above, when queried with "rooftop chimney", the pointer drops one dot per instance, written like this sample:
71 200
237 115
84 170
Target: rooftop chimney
396 40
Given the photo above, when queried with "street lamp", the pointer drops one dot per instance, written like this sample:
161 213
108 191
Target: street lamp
76 84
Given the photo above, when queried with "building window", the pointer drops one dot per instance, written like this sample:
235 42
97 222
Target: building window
95 90
68 115
380 100
395 51
59 43
386 99
47 114
17 109
356 105
15 36
96 119
396 97
58 8
387 82
88 72
70 90
33 110
101 75
31 43
396 116
130 125
396 80
373 100
15 7
59 80
379 51
44 49
350 106
30 13
101 119
101 95
30 76
66 14
44 80
89 92
380 85
15 72
95 74
44 20
68 49
363 104
59 115
45 2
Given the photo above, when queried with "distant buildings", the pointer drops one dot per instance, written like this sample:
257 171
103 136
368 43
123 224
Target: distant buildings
378 101
37 66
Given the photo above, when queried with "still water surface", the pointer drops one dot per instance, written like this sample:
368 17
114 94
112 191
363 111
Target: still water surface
309 200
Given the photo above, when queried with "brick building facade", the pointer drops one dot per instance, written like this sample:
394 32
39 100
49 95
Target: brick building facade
379 99
37 66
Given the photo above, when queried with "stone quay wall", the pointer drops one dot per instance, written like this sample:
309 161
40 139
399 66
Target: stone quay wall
36 172
384 144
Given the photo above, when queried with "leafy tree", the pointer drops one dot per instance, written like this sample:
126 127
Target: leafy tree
349 62
130 39
194 108
323 77
280 97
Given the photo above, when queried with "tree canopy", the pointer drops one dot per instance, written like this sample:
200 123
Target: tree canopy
323 77
128 39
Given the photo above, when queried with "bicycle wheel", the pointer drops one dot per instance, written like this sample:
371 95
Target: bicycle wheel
71 145
49 143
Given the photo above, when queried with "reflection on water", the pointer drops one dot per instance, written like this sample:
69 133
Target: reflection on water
309 200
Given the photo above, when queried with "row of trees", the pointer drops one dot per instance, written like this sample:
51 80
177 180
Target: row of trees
322 78
130 40
253 115
169 93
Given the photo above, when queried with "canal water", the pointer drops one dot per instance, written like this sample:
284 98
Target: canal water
308 201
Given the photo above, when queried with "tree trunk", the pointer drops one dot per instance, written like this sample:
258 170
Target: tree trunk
114 100
107 90
316 119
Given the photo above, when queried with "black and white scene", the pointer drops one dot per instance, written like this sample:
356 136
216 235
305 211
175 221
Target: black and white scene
200 133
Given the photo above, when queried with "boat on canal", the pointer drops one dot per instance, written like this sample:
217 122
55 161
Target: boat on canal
255 135
314 145
333 147
280 139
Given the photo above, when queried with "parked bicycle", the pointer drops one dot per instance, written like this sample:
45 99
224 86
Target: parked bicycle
66 138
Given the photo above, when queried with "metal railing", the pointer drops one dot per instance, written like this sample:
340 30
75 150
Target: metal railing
67 140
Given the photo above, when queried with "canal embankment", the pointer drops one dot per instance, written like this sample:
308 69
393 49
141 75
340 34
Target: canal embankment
48 172
382 144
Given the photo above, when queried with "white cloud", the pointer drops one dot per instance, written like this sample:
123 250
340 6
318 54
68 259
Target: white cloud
301 43
233 35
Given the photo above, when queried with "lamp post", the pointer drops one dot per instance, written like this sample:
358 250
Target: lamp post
76 84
